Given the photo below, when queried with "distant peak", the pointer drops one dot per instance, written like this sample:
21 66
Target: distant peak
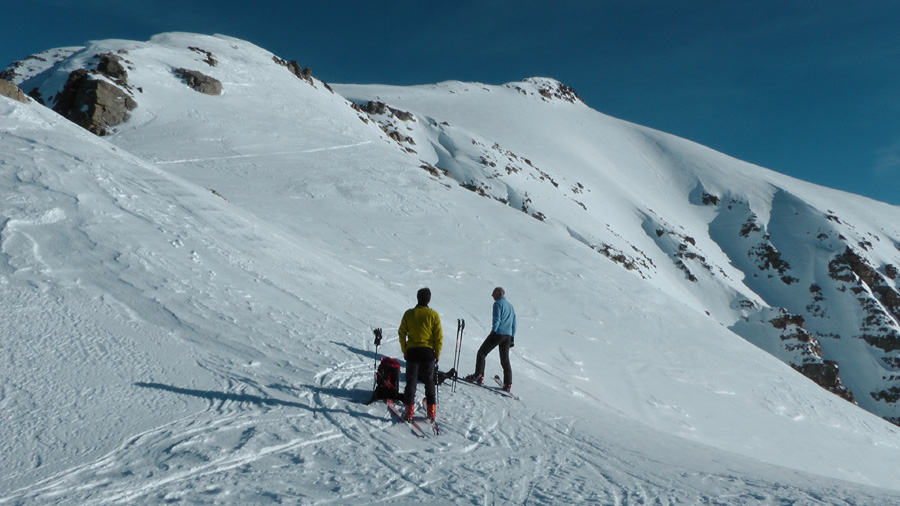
546 87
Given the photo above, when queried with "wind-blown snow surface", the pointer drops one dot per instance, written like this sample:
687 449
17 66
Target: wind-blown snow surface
166 343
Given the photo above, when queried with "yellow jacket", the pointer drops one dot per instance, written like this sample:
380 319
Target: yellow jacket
420 327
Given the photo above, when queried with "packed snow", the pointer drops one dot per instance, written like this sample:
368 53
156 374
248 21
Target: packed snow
189 304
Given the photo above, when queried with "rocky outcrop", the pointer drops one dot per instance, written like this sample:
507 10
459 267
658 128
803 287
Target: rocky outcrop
852 262
382 109
879 302
210 58
784 335
388 119
808 354
200 82
111 66
825 374
96 99
681 248
94 104
10 90
9 73
548 89
304 74
559 91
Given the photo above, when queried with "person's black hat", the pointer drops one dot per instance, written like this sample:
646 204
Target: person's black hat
423 296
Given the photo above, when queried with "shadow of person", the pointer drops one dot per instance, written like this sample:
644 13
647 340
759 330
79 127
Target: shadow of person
225 396
356 396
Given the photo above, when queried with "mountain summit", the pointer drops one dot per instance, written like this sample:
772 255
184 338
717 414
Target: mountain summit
198 236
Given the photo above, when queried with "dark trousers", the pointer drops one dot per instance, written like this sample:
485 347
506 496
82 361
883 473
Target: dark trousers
419 362
493 341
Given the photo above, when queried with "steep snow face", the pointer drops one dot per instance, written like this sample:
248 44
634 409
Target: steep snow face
191 298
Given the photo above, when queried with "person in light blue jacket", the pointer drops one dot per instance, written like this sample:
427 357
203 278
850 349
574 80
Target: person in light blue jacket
503 334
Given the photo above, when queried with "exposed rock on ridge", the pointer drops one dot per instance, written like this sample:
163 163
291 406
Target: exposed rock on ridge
304 74
548 89
200 82
97 104
10 90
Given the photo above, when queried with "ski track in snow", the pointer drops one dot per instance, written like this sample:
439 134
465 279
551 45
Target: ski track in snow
261 155
509 455
199 459
246 430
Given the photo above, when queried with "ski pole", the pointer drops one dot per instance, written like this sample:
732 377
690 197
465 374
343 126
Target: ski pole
455 346
460 327
377 343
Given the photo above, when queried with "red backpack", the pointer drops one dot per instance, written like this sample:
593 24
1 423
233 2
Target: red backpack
387 380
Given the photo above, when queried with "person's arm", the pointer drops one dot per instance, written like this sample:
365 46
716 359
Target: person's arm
437 337
402 332
495 317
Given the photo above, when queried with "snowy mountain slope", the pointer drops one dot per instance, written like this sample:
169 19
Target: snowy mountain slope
170 343
734 238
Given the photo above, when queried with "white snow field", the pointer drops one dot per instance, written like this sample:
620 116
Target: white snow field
188 303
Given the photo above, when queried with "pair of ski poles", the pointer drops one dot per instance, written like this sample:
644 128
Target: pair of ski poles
457 351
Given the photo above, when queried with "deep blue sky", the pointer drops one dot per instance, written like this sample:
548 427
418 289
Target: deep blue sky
808 88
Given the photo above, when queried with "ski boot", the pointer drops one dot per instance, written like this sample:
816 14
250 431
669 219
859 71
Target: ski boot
474 379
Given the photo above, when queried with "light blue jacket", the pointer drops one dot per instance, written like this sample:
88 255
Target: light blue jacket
504 318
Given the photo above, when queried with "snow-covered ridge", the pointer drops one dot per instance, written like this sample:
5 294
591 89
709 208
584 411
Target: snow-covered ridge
191 298
20 71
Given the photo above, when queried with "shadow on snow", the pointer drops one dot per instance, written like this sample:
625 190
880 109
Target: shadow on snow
356 396
225 396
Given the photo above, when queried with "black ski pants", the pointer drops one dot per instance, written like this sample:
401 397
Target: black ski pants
495 341
419 361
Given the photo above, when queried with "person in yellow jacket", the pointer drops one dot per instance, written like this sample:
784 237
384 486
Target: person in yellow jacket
420 341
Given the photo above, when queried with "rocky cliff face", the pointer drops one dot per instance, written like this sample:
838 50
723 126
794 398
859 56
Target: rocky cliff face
838 291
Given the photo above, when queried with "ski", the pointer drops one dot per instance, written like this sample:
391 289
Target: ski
500 384
498 391
431 421
414 427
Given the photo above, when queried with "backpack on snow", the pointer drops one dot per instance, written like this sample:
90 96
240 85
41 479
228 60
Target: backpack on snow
387 380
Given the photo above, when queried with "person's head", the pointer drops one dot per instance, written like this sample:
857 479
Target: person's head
498 292
423 296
